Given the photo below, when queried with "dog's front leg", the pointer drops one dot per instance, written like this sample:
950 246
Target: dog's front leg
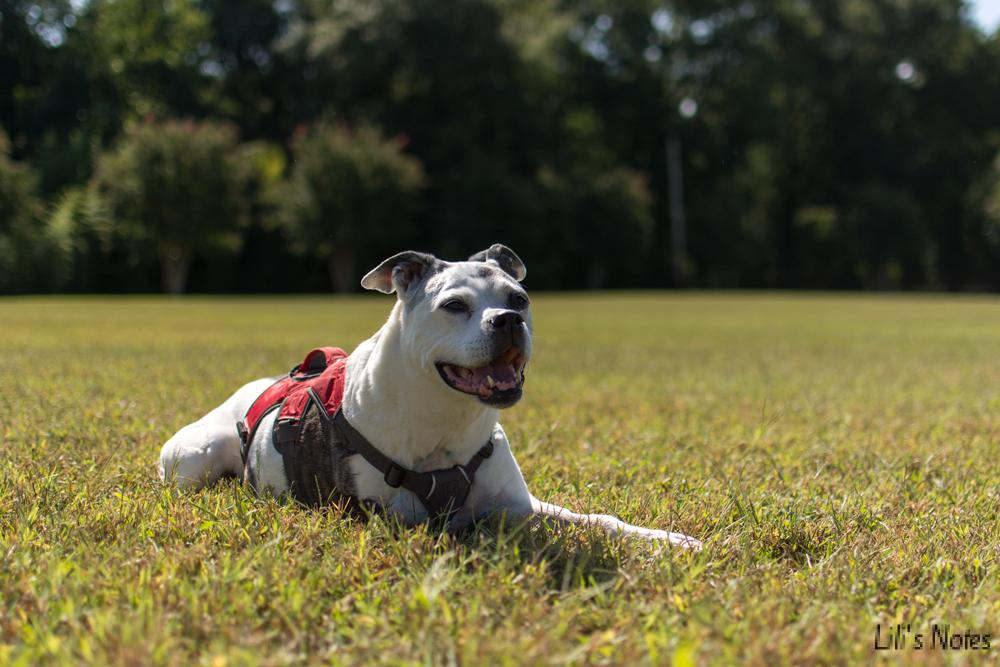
500 489
615 527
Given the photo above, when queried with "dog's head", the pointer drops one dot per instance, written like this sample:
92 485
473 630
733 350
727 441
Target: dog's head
466 324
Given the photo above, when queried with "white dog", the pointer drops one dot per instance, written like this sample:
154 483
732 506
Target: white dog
420 404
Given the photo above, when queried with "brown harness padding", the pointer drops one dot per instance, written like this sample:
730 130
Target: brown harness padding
308 457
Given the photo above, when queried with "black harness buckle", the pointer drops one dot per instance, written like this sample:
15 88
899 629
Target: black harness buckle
394 476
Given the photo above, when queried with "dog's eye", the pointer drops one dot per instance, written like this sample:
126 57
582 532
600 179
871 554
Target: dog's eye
455 306
518 301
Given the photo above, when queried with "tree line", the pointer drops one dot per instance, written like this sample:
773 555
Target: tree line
286 145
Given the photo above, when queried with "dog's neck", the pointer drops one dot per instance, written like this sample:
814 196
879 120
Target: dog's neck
407 413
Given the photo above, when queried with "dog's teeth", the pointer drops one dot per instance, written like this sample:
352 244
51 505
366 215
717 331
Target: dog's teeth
490 381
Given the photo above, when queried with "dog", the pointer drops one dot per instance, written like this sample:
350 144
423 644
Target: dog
419 400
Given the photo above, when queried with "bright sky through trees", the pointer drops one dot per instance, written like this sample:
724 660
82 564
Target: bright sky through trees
986 13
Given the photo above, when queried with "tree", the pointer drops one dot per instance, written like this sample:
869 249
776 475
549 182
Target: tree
601 222
351 196
448 76
255 89
29 259
987 194
156 53
18 215
843 143
175 188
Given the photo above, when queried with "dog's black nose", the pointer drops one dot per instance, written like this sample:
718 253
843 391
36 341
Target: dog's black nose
507 321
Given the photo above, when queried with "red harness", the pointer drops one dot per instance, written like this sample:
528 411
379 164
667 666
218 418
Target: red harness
320 377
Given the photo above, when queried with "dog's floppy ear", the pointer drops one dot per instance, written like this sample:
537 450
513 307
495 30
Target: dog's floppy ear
397 273
503 257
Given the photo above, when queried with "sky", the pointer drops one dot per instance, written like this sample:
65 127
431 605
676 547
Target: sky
986 13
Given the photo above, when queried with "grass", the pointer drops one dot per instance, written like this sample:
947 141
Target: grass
838 454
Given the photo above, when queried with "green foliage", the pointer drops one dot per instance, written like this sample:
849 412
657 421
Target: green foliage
843 107
153 52
97 254
175 188
821 142
990 198
351 195
609 224
17 184
836 454
29 259
262 169
30 69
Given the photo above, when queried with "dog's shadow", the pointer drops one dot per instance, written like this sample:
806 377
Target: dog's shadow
570 557
567 558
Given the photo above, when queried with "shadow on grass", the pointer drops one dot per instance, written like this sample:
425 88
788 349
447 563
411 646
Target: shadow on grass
569 557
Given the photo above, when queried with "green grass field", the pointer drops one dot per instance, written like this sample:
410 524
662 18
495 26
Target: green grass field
838 455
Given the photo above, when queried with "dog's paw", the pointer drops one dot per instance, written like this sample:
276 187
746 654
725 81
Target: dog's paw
684 541
622 529
674 539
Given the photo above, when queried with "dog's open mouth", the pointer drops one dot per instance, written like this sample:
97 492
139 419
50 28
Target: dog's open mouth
498 383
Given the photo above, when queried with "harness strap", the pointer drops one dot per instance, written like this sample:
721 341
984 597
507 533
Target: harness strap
442 492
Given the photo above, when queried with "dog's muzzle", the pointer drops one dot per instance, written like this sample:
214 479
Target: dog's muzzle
499 383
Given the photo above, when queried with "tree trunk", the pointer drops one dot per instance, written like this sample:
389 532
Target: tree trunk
343 270
174 265
675 193
597 275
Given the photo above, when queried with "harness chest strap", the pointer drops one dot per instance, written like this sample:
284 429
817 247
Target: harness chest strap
442 492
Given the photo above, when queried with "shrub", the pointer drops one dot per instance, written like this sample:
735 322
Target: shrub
176 188
29 259
351 196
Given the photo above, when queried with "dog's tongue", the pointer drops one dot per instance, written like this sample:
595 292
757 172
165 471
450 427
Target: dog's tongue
502 375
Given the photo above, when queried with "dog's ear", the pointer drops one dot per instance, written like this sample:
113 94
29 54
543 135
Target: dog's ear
503 257
399 272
